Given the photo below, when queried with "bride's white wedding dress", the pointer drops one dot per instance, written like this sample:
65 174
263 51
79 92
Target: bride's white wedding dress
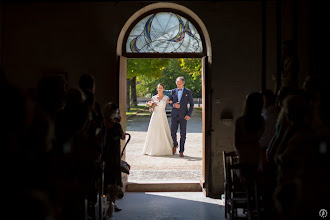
158 140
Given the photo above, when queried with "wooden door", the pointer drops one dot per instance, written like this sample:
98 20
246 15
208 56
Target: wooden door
122 105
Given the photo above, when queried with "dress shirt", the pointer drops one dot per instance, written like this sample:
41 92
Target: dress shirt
180 92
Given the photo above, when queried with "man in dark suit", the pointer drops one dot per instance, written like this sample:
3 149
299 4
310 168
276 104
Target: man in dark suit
180 114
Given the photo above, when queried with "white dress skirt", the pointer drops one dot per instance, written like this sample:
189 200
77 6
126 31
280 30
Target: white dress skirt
158 141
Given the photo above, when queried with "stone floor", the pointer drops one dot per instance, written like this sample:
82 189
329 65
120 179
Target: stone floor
169 205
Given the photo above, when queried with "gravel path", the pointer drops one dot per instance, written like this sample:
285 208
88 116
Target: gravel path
146 168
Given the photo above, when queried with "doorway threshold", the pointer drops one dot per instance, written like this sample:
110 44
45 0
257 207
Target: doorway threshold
164 181
164 187
170 175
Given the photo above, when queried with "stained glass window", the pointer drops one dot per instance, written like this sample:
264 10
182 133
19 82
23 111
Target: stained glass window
164 32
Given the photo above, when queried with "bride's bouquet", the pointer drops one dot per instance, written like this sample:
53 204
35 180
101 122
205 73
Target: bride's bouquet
151 105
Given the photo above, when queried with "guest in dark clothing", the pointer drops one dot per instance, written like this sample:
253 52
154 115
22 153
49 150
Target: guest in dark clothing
248 131
312 87
87 85
95 129
249 128
71 120
51 93
281 123
285 124
30 140
289 156
303 180
71 156
295 151
269 113
111 152
87 82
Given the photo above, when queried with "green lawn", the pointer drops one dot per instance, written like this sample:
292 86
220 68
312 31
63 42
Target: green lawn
133 110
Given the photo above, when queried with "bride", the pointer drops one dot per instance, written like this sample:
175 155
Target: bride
158 140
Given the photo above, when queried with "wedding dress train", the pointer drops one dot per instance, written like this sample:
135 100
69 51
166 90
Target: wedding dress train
158 141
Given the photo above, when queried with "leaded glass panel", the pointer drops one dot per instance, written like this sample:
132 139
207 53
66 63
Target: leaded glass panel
164 32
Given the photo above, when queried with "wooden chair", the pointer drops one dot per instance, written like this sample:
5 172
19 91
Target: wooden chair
227 157
235 191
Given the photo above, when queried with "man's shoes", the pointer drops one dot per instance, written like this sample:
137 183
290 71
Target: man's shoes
174 149
181 154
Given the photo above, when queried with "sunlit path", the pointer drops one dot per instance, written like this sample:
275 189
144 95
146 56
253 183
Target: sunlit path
173 168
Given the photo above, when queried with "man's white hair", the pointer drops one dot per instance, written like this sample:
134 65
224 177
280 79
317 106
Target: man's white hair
180 78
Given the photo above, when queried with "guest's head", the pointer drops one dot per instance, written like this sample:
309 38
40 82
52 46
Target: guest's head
90 99
269 97
296 109
51 93
76 109
253 104
282 94
180 82
252 110
311 83
109 111
312 87
75 97
87 82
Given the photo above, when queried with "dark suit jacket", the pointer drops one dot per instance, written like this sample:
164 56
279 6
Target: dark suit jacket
185 99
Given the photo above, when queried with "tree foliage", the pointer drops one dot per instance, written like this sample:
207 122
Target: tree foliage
149 68
150 72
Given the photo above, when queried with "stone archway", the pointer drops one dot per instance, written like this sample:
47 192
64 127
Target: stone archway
206 79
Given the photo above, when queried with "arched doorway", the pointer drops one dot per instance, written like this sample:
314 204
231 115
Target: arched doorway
204 52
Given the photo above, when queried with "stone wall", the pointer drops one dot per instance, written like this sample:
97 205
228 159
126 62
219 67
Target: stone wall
81 38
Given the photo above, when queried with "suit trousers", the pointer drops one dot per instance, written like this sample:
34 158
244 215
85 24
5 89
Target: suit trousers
175 122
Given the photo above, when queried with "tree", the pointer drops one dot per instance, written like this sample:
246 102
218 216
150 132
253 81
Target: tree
128 100
189 68
139 69
133 91
192 67
150 72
